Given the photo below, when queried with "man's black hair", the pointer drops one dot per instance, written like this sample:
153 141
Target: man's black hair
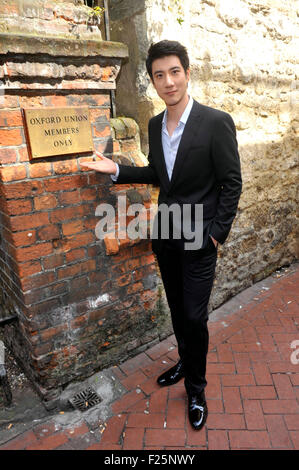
163 49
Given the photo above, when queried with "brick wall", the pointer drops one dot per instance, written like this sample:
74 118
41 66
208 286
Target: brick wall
82 303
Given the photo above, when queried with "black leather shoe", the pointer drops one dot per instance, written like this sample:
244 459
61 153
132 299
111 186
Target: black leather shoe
172 376
198 410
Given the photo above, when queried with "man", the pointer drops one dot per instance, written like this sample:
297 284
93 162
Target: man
193 156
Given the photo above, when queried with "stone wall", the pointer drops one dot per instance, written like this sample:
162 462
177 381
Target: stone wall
244 60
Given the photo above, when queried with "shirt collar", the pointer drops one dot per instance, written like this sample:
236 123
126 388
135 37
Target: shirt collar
185 114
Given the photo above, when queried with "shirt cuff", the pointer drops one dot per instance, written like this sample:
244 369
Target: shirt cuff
114 177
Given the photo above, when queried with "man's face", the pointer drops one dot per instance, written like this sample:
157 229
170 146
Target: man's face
170 79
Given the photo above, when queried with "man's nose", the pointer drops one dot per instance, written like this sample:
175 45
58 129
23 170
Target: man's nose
168 80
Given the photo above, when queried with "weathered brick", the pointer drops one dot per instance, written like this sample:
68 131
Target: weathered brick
22 189
13 173
24 222
8 155
11 118
40 170
28 268
33 252
75 269
11 137
19 206
47 201
49 232
69 197
111 245
65 166
64 183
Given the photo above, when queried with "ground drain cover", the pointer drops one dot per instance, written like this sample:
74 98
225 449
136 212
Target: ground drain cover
85 399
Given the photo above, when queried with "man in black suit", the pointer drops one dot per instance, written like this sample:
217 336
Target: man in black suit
193 157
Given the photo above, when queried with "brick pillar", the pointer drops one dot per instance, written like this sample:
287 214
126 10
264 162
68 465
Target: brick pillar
80 306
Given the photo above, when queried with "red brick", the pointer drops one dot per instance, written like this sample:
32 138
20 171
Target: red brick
13 173
75 226
49 232
66 213
47 201
49 443
39 280
53 261
77 240
176 414
78 268
226 368
143 420
217 440
11 118
280 406
18 206
225 421
40 170
29 268
33 252
283 386
88 194
237 380
11 137
24 222
127 400
213 389
259 392
111 245
23 154
64 183
232 400
69 197
133 439
249 439
27 237
295 438
262 374
254 414
8 156
113 430
65 166
169 437
225 353
158 401
22 189
278 432
292 422
74 255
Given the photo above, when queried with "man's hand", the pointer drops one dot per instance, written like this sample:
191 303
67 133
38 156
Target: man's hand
105 165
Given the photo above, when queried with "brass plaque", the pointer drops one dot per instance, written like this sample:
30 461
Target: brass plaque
58 131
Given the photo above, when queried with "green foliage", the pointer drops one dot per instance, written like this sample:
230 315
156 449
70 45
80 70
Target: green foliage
177 6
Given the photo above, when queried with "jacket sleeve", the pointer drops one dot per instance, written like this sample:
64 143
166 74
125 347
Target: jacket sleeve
227 168
134 174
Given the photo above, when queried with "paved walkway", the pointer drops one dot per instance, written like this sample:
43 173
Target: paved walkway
252 392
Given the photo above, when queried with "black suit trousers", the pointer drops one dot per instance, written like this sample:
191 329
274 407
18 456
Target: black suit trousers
188 279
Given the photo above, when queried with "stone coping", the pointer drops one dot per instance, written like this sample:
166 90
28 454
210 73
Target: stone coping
59 47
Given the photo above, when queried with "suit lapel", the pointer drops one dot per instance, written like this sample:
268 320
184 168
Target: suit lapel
158 153
190 129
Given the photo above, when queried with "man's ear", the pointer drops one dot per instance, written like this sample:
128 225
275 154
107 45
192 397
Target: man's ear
188 73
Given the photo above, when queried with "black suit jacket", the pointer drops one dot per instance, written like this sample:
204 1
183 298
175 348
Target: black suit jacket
206 171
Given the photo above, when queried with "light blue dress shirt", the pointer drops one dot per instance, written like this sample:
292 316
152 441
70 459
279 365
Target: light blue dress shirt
170 144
